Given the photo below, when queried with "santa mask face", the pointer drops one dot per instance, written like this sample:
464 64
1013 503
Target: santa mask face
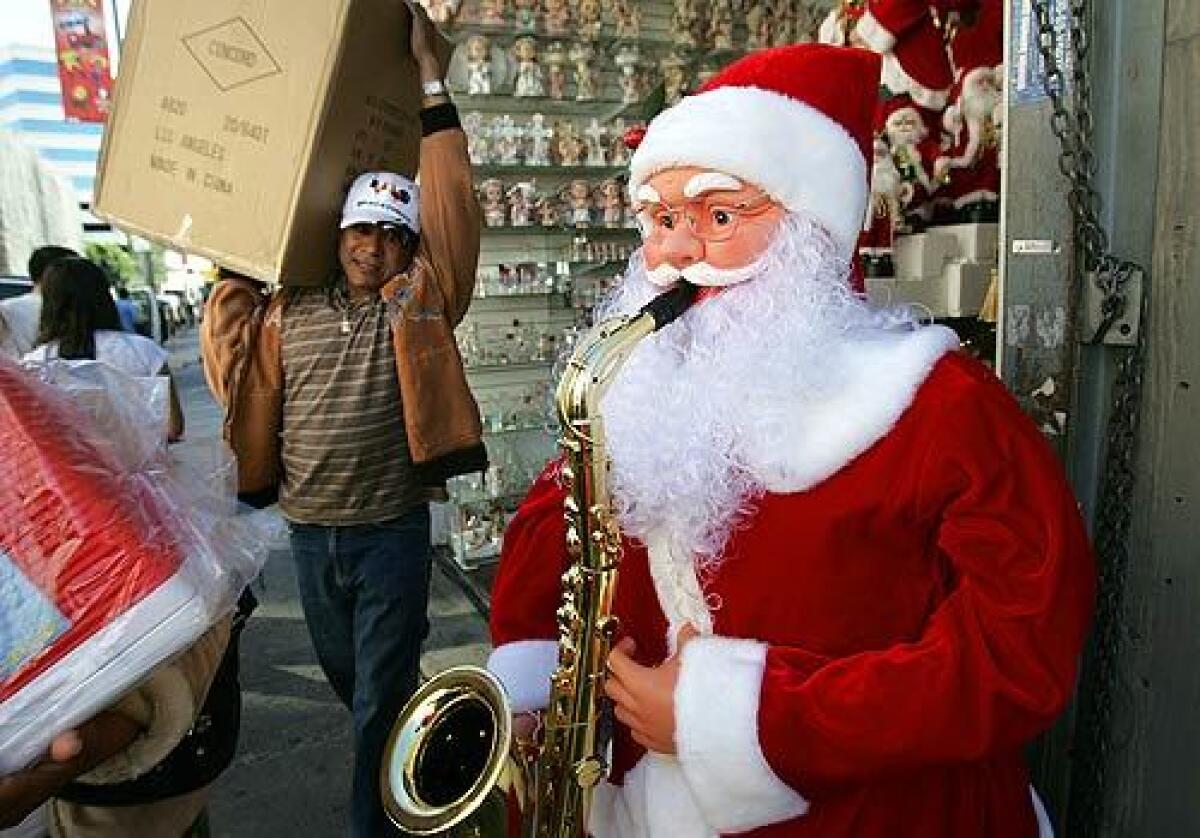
718 236
981 94
732 369
905 127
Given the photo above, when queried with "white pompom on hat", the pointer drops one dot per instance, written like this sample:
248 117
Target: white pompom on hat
383 198
794 121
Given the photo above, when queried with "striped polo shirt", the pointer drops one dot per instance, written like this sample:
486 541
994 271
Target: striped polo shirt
344 449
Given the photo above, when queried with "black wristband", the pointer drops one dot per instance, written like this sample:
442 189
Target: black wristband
439 118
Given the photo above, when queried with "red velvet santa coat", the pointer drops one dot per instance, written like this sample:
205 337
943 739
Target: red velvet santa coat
879 646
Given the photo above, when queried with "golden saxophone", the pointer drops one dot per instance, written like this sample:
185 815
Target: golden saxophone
452 764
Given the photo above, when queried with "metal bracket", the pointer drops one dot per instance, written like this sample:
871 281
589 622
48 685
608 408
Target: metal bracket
1112 319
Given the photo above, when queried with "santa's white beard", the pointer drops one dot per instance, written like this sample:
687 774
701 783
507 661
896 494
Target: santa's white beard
676 416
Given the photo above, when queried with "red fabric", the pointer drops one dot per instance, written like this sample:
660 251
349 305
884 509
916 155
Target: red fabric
840 82
922 55
898 17
981 43
924 610
89 537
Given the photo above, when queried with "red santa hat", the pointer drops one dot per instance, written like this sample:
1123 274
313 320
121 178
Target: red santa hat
794 120
979 42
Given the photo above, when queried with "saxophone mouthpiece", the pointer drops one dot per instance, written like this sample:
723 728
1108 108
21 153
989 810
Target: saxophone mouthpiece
669 306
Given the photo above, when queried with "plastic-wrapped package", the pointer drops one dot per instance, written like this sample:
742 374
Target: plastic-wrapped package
113 557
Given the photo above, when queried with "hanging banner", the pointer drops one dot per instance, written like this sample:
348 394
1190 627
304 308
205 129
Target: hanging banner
82 49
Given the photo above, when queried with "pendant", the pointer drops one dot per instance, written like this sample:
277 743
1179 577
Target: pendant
345 324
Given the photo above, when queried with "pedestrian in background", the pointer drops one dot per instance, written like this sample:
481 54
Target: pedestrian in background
352 402
19 315
79 320
126 309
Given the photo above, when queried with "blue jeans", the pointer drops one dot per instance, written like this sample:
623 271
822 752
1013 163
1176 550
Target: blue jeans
364 590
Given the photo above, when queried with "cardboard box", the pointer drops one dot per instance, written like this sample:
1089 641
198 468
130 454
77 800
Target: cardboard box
237 126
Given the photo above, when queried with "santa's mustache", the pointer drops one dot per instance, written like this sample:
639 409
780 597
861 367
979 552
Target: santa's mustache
704 274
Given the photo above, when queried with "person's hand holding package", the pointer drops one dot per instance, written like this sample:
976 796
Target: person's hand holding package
71 754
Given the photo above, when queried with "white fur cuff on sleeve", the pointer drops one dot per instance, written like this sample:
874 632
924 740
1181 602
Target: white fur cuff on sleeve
524 668
716 734
874 34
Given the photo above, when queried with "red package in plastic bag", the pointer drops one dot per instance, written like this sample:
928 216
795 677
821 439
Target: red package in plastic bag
95 583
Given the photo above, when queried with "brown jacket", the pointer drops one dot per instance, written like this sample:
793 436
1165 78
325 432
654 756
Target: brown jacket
240 338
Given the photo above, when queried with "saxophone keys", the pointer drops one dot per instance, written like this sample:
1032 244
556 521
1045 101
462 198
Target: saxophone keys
589 771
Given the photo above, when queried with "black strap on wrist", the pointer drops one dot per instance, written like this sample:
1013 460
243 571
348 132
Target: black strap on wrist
439 117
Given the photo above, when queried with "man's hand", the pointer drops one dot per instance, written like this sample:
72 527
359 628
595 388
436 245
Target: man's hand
71 754
644 696
424 41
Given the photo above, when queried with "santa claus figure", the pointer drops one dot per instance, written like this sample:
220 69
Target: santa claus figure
906 33
970 167
915 142
889 193
854 582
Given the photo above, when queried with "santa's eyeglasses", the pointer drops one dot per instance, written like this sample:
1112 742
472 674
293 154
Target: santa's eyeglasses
712 219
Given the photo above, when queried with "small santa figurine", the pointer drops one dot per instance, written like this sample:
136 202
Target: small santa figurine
854 583
889 194
907 35
915 141
969 169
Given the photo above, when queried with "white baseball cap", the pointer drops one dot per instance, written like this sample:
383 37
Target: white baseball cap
382 198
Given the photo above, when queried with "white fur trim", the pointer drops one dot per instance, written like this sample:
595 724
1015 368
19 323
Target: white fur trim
880 374
654 801
898 81
716 733
804 159
524 668
874 34
975 197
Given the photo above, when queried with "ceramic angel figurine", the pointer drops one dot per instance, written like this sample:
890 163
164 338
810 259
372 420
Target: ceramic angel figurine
479 65
549 211
674 71
612 203
525 12
588 21
568 145
491 199
627 60
492 12
529 71
557 17
627 19
582 54
555 59
506 140
720 25
578 198
521 200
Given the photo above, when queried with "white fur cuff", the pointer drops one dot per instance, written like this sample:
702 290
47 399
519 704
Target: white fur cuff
874 34
524 668
716 733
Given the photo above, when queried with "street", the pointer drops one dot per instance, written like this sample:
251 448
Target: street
292 772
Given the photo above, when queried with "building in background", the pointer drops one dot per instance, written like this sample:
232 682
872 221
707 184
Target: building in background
31 111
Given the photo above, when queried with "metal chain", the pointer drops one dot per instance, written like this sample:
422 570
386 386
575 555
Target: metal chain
1102 684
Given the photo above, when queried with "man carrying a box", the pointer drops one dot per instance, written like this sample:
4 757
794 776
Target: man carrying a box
350 402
